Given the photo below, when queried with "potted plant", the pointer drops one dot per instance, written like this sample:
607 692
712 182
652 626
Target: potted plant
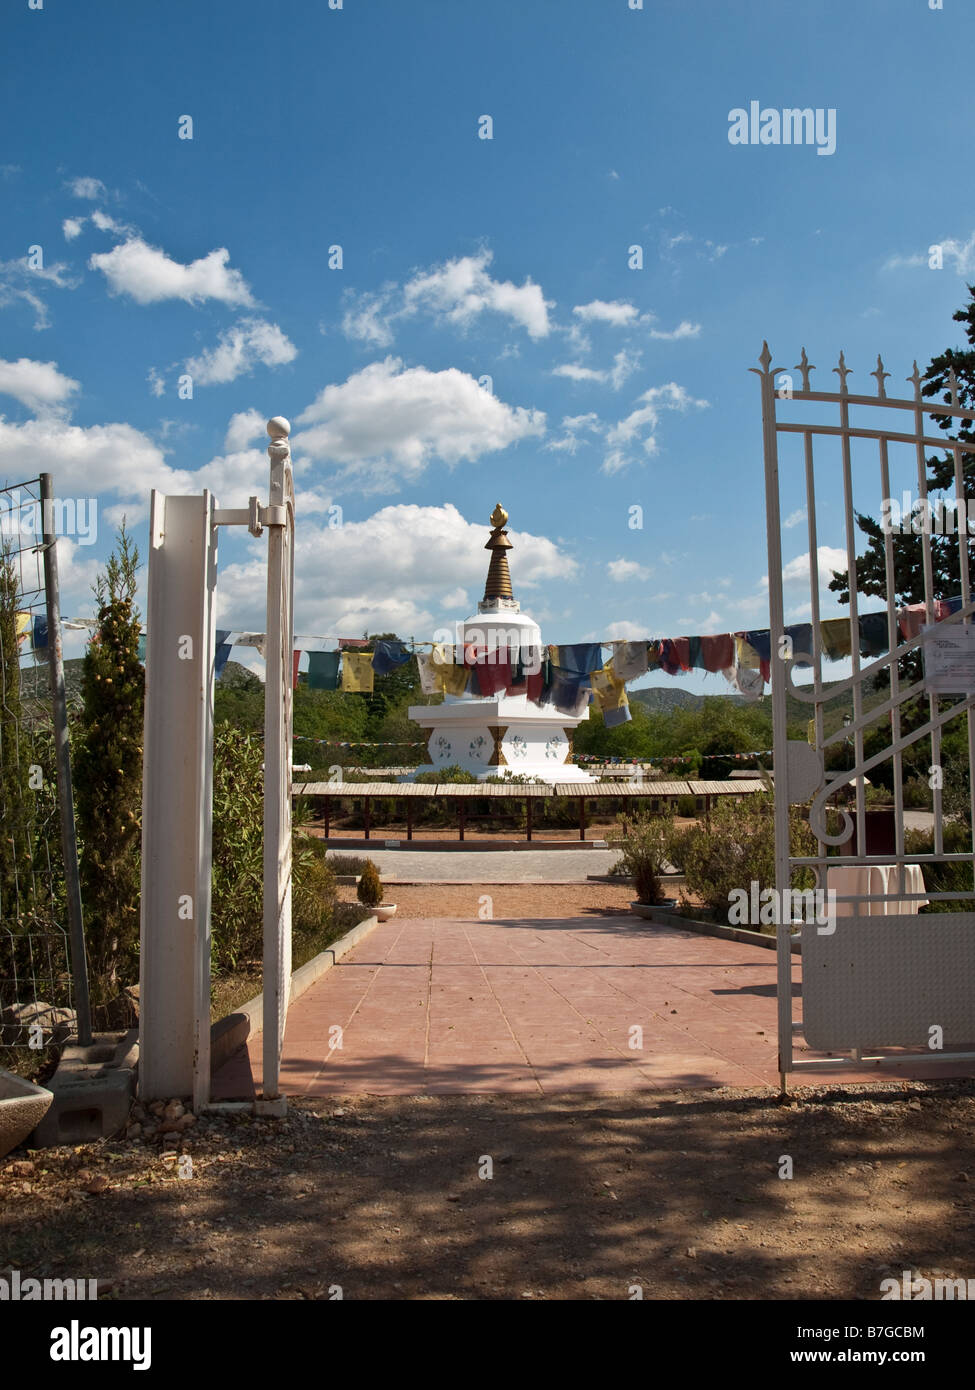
369 891
642 842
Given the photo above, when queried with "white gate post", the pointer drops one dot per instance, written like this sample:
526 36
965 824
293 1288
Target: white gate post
177 798
280 521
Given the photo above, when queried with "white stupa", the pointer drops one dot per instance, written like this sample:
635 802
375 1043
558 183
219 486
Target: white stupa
502 734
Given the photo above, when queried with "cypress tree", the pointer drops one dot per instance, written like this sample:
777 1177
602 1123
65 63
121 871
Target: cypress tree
108 784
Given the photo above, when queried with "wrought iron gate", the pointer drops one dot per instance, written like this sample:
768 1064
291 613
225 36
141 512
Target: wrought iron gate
879 986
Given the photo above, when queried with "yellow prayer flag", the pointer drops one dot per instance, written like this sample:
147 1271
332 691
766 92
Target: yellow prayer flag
357 672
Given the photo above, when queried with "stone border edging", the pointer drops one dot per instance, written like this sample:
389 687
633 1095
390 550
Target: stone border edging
665 917
230 1033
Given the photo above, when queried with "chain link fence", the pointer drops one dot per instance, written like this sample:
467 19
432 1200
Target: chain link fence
43 978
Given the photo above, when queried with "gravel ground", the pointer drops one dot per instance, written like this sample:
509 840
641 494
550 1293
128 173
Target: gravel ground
516 900
479 1197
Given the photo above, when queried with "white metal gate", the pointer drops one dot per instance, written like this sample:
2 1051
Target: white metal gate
174 1016
880 984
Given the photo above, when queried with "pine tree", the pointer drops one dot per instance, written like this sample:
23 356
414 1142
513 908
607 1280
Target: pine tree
907 552
108 783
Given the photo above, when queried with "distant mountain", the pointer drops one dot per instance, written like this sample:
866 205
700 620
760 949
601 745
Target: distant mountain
662 699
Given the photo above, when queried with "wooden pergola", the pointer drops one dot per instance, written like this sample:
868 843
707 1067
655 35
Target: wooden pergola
531 793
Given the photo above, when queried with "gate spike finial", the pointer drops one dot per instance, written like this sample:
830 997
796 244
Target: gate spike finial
842 371
880 374
765 357
804 366
915 379
953 385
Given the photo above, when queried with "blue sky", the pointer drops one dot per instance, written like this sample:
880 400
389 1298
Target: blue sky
465 258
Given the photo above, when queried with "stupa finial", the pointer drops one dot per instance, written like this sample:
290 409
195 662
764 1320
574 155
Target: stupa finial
498 580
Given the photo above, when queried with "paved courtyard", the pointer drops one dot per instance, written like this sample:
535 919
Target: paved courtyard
490 866
429 1006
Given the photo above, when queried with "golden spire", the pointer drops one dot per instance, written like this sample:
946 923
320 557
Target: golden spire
498 580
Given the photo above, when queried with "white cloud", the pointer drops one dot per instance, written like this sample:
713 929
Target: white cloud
622 570
149 276
457 601
89 462
961 253
72 227
460 290
574 425
104 223
624 631
87 188
624 365
643 421
157 384
455 293
368 318
243 429
386 421
575 372
794 518
37 385
616 312
19 282
830 558
399 570
238 351
683 330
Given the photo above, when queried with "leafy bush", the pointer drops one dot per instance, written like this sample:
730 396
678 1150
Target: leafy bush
917 794
446 774
369 890
944 878
737 849
237 913
687 807
348 863
643 841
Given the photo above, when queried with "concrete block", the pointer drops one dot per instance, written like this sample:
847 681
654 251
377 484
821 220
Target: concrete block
93 1089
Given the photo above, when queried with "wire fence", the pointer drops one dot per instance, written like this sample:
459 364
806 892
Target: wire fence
38 919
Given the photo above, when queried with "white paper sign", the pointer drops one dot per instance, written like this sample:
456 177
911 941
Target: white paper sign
949 660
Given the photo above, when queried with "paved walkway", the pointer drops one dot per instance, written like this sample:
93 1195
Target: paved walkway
431 1006
490 866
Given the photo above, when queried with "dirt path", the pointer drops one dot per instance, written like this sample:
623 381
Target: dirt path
383 1197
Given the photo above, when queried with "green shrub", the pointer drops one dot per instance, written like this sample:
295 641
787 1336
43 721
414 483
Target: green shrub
687 807
737 849
917 795
445 774
237 912
369 890
945 878
348 863
643 843
313 888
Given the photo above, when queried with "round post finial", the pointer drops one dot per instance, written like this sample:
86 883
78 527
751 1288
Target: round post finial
278 427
